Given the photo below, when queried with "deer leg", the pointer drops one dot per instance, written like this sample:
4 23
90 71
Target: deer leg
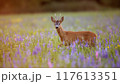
64 44
61 44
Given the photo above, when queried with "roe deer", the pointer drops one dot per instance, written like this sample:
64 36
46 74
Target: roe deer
70 37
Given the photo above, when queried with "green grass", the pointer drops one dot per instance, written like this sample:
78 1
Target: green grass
30 40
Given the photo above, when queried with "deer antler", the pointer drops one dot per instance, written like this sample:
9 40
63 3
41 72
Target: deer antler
60 16
55 16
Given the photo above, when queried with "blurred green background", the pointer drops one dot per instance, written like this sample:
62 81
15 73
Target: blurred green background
35 6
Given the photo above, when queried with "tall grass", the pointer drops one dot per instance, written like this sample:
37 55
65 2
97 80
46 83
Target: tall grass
32 41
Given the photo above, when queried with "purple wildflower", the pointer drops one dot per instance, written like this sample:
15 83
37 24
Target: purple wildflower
99 60
43 44
86 45
50 64
14 63
84 64
97 54
78 62
58 46
38 48
20 55
116 53
118 65
54 50
81 57
41 35
98 37
73 46
24 60
21 39
72 52
49 52
48 46
35 52
3 54
34 61
92 62
51 45
28 52
48 33
112 59
18 62
63 52
55 34
109 61
15 39
16 54
67 58
106 65
100 44
18 51
4 42
38 43
7 38
73 63
106 55
9 59
88 60
106 42
113 64
109 36
30 66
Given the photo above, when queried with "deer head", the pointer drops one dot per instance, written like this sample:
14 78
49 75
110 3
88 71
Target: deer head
56 22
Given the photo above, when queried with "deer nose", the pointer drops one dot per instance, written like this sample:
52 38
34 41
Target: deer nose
56 26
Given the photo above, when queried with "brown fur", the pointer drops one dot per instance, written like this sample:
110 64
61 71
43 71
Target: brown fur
82 36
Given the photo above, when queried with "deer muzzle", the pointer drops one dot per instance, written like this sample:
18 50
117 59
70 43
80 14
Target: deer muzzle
56 26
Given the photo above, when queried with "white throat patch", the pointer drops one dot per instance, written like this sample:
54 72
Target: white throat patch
56 25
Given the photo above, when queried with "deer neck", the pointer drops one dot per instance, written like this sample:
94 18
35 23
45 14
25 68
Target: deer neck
61 32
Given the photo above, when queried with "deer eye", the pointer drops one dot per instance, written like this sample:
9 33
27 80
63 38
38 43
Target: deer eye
59 23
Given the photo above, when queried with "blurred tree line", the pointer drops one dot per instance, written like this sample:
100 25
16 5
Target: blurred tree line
31 6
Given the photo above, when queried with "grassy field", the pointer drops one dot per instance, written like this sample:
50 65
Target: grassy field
31 40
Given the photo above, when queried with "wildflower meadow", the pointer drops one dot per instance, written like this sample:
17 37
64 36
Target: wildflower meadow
31 41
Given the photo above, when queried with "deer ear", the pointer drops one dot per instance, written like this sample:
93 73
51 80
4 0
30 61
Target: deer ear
52 19
62 18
